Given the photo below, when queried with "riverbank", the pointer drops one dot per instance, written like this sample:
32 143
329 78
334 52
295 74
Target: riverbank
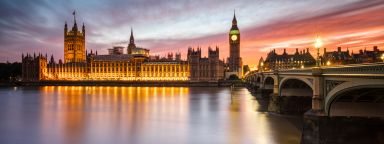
7 84
131 83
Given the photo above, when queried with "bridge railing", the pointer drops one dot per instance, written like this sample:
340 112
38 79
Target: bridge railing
365 69
368 69
296 71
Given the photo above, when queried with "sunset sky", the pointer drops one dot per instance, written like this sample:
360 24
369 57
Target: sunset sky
173 25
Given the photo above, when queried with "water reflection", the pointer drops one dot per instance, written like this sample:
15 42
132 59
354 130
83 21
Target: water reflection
75 114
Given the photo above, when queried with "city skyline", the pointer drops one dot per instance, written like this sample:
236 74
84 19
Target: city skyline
177 25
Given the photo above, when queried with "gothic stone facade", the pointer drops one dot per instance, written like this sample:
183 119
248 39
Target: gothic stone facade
205 69
135 65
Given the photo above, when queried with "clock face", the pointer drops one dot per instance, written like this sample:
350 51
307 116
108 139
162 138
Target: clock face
234 37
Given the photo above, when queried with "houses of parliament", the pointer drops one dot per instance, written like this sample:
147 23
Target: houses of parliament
136 64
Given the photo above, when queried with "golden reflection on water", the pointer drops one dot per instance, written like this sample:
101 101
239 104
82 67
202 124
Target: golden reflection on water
76 107
111 114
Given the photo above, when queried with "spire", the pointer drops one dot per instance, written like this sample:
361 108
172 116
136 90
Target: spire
234 21
74 28
74 16
234 24
131 39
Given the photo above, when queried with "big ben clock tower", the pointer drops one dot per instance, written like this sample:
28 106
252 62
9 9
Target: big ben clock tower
234 60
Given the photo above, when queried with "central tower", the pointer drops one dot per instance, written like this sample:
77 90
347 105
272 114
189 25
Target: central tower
74 43
234 60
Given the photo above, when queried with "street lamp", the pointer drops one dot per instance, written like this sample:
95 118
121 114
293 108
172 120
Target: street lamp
262 66
328 63
382 57
318 44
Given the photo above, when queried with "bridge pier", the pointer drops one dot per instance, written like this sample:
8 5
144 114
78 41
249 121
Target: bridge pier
317 99
291 105
289 101
321 129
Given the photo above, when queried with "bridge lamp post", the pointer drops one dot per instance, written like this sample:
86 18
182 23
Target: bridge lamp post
261 66
318 44
382 57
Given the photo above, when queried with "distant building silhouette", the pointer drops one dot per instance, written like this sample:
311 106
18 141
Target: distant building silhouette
299 59
302 59
338 57
366 56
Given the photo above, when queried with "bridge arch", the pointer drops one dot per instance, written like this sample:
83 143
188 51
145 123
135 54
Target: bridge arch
303 83
268 82
343 98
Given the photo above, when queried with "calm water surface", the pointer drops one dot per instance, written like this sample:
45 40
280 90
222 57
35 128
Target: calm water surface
135 115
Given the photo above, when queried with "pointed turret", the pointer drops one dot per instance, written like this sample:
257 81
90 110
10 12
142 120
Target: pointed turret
65 28
83 29
52 61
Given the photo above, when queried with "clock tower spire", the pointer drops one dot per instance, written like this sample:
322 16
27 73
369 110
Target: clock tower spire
234 21
234 60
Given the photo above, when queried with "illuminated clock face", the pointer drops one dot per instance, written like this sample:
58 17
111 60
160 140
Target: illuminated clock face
234 37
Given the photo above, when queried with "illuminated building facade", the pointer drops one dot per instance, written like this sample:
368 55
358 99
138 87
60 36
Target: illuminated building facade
74 43
136 65
274 61
115 66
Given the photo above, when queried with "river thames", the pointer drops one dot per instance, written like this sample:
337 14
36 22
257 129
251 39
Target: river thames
136 115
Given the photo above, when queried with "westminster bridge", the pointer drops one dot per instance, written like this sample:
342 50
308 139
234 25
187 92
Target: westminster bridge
339 102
